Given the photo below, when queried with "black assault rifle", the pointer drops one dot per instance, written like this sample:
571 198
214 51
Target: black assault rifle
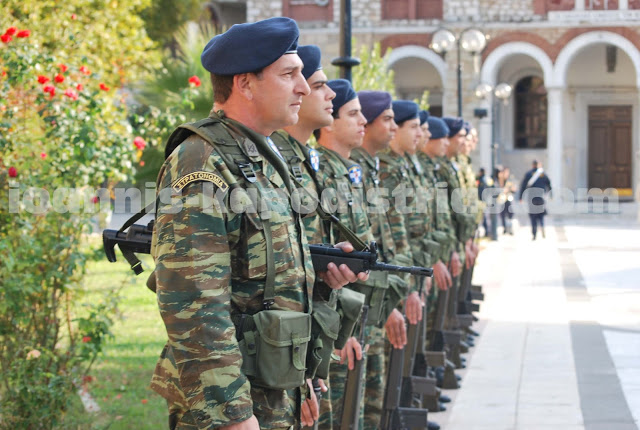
137 240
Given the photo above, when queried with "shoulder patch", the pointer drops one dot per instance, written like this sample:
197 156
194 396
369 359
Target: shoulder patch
182 182
314 159
355 174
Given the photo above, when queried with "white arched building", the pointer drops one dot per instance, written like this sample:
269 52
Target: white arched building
574 66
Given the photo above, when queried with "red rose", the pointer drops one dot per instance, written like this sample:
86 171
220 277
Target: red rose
103 87
43 155
86 339
43 79
95 199
195 81
85 70
49 89
144 401
58 78
139 143
24 33
13 172
4 73
79 87
142 163
87 379
71 94
6 38
63 68
73 16
11 31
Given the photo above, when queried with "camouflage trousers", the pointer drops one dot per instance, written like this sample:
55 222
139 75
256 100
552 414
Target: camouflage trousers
375 379
373 383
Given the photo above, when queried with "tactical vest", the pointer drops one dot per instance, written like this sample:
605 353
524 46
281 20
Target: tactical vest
273 343
303 163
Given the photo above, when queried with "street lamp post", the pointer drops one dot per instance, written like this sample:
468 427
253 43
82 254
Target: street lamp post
471 40
345 61
501 92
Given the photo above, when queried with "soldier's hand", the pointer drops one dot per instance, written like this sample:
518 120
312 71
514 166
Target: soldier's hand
456 265
250 424
310 411
442 276
338 277
413 308
469 256
351 352
396 329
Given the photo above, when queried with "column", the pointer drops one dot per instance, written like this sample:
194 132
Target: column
623 4
579 5
555 119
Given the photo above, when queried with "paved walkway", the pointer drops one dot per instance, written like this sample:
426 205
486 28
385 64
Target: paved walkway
560 331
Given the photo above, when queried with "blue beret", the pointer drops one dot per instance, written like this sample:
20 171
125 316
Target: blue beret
467 127
310 56
437 127
454 124
374 103
424 115
344 93
405 110
246 48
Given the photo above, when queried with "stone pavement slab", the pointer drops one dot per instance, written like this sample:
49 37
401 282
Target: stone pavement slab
560 331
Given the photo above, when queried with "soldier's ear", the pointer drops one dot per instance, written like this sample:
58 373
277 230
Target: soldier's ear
243 84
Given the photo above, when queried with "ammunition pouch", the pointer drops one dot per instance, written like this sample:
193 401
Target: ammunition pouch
433 248
421 258
350 305
274 348
374 291
325 328
398 291
446 244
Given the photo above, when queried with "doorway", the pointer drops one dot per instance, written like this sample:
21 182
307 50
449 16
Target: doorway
610 152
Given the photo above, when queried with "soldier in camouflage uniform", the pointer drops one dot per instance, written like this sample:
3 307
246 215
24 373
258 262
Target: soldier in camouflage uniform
304 161
476 209
433 147
341 180
391 235
216 258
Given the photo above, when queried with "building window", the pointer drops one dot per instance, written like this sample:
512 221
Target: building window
530 113
601 4
412 9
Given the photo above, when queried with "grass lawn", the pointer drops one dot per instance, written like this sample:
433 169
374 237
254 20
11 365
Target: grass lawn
123 371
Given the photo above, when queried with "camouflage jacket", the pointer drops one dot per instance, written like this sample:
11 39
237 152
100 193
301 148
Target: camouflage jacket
211 266
343 193
463 221
389 231
442 221
304 162
469 180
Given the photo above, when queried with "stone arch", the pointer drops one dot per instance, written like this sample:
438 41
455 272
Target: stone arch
497 57
580 42
421 52
517 36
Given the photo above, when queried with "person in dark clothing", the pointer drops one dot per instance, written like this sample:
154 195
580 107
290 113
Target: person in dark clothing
534 186
483 183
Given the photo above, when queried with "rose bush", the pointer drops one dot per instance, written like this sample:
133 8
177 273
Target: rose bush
64 132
